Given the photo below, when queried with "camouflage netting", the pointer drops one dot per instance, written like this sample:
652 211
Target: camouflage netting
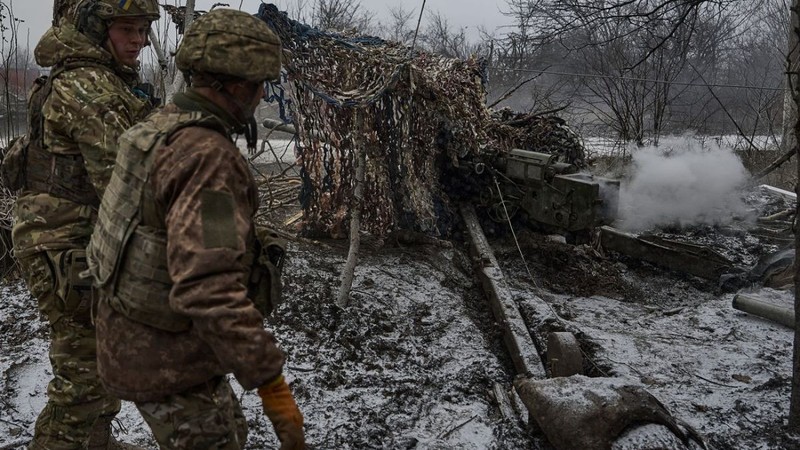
421 113
418 112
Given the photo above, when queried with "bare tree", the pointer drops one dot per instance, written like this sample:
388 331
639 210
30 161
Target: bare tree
178 83
341 15
789 138
300 10
631 70
440 38
634 63
13 73
400 26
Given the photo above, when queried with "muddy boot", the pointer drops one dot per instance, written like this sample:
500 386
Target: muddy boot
102 439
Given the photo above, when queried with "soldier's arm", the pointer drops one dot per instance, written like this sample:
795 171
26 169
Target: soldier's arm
203 183
95 112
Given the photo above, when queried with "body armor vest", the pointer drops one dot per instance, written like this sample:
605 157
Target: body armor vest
31 167
138 285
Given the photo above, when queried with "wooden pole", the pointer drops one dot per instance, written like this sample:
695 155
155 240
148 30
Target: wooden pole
355 215
162 58
777 163
278 125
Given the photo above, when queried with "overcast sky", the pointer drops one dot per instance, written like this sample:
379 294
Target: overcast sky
470 14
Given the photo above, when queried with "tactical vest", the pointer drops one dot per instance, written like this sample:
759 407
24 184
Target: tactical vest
28 166
138 284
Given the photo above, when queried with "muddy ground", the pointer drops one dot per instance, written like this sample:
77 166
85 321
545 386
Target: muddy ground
411 362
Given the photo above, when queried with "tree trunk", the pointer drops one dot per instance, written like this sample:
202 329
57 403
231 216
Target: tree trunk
179 83
360 156
789 137
794 407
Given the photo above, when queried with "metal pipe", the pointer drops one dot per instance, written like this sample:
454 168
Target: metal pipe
766 310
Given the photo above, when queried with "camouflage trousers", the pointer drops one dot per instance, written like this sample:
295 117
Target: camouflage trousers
207 416
75 396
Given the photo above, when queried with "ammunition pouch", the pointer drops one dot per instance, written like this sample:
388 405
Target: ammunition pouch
62 176
264 286
70 287
12 171
143 283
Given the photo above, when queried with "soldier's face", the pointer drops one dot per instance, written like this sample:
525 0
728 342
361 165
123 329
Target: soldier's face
126 38
249 95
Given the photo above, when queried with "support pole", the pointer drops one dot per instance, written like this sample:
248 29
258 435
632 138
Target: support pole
162 58
360 156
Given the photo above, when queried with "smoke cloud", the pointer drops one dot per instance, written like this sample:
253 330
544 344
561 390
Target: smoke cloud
682 182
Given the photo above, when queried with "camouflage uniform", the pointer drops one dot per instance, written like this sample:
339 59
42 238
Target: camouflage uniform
173 255
200 197
90 104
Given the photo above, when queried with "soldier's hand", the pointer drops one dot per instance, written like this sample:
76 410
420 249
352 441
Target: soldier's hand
282 411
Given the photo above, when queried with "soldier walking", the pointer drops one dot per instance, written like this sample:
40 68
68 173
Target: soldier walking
177 258
75 119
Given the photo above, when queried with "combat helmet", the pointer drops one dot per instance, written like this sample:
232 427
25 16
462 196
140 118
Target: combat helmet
94 16
230 43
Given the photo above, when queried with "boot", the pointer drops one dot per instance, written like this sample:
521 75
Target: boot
102 439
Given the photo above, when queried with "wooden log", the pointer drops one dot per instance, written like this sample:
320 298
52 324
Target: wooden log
518 340
778 192
778 162
783 315
504 402
293 219
277 125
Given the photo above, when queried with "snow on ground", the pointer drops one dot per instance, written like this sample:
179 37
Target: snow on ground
724 372
410 363
269 151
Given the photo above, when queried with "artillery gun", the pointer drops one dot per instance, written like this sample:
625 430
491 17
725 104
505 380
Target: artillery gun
550 194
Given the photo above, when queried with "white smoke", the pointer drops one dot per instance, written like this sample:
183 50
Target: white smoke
682 182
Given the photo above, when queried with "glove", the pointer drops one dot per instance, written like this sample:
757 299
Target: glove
282 411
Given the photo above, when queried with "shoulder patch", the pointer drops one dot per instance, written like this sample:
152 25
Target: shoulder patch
219 220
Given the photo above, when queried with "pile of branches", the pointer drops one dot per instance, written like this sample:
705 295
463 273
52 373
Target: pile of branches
7 200
415 114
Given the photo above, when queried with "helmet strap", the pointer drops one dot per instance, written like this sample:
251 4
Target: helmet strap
248 121
251 134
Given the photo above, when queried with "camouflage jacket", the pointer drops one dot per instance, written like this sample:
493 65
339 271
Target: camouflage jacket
182 196
87 110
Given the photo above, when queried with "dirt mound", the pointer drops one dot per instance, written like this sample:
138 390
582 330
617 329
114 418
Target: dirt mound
567 269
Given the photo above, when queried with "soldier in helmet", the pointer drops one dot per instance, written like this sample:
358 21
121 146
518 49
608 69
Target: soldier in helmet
76 116
175 252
